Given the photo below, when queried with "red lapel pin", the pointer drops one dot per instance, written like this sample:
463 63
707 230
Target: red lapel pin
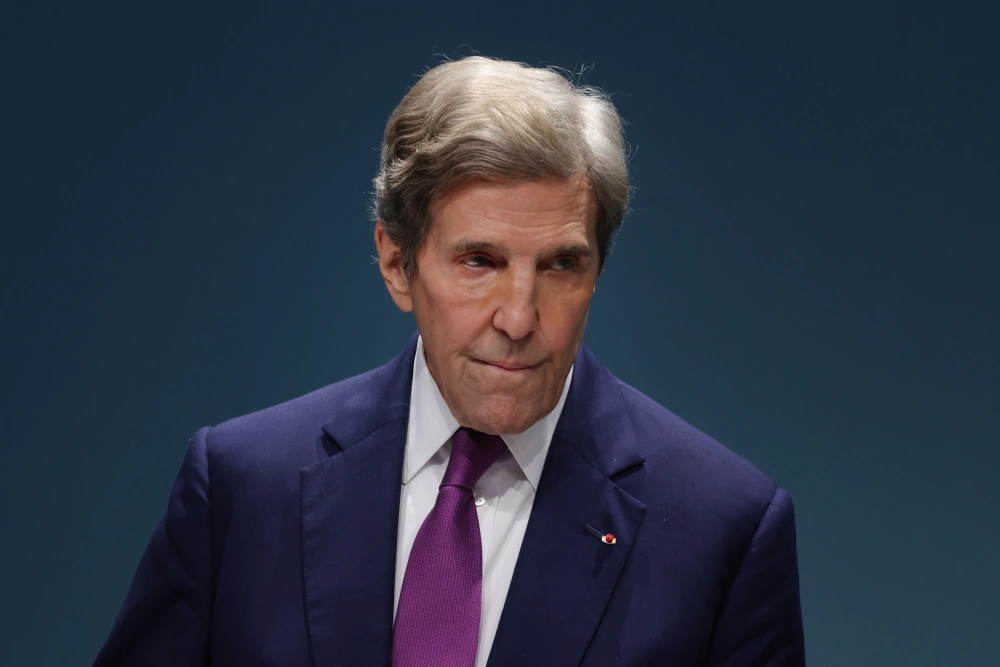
607 538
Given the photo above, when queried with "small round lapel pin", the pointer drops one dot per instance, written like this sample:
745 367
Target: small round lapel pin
607 538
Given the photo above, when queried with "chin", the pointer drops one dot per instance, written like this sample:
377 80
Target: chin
502 417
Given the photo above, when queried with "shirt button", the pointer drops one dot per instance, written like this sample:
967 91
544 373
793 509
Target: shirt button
480 501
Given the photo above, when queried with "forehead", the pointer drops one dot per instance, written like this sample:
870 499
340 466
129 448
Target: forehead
529 210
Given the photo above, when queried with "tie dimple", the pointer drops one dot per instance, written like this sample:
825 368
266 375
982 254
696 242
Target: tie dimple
472 453
440 603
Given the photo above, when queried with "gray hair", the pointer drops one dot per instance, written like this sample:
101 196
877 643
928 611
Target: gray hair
481 118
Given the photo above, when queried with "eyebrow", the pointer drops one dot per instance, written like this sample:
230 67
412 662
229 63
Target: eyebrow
463 246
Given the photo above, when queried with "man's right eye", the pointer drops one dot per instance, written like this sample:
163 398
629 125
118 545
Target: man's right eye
477 261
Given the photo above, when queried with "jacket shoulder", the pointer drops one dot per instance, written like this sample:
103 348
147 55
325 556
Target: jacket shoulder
288 434
692 466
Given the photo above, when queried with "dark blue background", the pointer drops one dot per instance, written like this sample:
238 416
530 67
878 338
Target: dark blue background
809 273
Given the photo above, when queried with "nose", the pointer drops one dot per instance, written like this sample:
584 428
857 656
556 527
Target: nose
516 308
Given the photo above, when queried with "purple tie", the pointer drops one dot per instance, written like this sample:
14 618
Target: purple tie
437 618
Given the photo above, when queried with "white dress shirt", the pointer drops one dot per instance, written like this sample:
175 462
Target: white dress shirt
504 494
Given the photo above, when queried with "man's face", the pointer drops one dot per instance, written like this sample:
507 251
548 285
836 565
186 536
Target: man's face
501 296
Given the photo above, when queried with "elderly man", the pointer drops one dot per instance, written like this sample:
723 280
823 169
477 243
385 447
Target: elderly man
492 495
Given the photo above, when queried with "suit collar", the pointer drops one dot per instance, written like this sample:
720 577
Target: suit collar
365 402
596 422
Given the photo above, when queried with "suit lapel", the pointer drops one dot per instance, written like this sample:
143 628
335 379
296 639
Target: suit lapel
350 513
565 576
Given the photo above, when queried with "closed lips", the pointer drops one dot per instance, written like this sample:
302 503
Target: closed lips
507 366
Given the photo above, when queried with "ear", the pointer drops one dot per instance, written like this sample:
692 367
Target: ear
390 263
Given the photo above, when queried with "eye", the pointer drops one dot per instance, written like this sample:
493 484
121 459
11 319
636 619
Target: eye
477 261
564 264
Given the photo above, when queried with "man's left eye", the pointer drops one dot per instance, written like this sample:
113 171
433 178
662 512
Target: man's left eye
565 264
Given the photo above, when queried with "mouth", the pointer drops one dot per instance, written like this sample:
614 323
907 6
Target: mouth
507 367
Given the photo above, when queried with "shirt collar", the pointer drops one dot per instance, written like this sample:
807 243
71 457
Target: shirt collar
431 424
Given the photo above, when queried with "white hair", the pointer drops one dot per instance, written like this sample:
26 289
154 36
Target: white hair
482 118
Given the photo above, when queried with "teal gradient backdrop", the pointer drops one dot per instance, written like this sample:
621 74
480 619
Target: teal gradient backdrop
809 273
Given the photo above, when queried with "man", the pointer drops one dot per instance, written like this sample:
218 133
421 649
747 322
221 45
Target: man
493 495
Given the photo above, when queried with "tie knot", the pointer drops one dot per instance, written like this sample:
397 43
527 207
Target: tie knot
472 453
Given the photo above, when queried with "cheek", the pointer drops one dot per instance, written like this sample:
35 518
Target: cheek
451 314
567 314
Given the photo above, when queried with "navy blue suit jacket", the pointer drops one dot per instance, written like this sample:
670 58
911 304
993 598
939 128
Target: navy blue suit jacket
278 544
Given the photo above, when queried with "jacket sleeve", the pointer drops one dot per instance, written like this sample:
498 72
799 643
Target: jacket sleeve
760 622
165 617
